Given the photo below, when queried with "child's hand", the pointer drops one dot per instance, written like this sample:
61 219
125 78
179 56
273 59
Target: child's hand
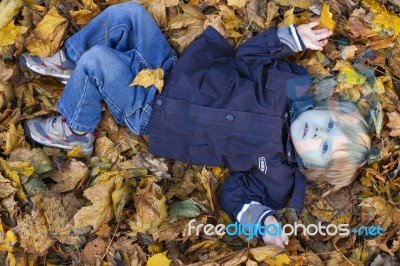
313 39
278 240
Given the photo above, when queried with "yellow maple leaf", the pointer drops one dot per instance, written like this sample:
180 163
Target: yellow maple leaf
8 9
10 33
326 20
384 18
14 138
159 259
348 73
48 34
289 17
149 77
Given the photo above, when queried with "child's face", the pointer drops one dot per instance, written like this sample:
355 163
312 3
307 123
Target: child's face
316 136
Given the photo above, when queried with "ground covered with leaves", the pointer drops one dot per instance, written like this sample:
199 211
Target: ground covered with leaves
122 206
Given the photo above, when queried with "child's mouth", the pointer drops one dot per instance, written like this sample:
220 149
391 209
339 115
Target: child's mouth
305 129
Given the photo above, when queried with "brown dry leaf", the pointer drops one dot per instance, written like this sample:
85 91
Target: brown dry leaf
69 178
394 61
149 77
170 231
348 52
394 124
6 189
101 210
357 25
157 165
93 251
157 9
209 183
304 4
385 214
326 20
48 34
82 17
8 9
132 253
105 148
32 230
151 209
5 72
237 3
190 24
256 11
216 22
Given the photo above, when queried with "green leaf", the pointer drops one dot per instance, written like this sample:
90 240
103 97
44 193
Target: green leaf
186 208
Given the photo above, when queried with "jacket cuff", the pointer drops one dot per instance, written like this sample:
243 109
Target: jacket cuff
289 35
254 214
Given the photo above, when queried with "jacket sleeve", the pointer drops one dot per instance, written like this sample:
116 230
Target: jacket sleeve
241 197
262 49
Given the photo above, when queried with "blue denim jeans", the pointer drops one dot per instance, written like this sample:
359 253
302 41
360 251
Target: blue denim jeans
109 52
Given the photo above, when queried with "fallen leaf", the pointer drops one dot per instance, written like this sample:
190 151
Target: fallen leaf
101 210
10 33
105 148
8 9
394 123
289 17
231 20
150 77
36 157
151 209
6 189
304 4
69 178
83 16
33 234
157 9
237 3
14 138
190 24
48 34
271 255
186 208
348 52
93 251
326 20
8 243
348 74
159 259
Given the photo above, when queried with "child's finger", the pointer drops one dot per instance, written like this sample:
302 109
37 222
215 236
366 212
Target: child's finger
323 35
313 24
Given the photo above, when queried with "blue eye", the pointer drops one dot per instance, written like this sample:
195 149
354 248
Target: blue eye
325 148
330 124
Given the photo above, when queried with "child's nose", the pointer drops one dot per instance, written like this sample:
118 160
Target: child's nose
318 132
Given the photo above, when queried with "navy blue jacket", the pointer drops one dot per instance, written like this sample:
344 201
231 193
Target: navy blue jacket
230 108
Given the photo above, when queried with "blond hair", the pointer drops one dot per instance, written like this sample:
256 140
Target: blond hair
343 169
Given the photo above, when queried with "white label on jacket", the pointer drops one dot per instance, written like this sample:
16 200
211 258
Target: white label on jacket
262 165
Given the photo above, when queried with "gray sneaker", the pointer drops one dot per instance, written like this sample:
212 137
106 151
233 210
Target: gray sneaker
58 65
54 132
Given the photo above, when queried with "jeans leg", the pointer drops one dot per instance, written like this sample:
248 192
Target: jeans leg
104 74
126 27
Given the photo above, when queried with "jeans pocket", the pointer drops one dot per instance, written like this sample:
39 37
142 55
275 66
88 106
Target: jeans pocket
203 155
